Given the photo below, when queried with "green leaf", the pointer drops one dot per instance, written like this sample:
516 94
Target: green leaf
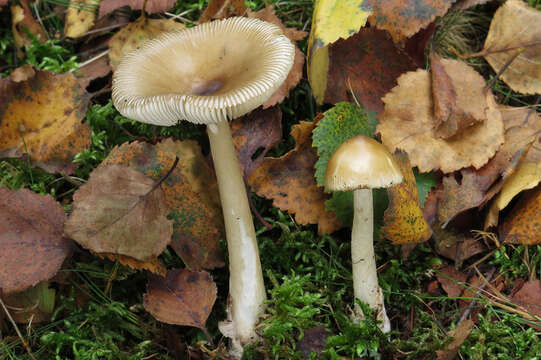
425 182
342 205
340 123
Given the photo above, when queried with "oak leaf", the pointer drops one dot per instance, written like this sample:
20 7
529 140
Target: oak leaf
365 67
289 181
133 35
407 123
523 225
33 248
403 220
43 118
182 297
403 18
152 7
515 32
191 195
221 9
119 210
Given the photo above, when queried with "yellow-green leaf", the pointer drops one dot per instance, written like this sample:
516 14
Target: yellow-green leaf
332 20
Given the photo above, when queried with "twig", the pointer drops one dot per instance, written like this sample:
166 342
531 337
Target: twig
255 211
92 59
25 344
488 51
165 176
468 310
504 67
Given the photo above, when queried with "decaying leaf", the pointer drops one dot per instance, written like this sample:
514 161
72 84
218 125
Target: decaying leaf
152 7
133 35
21 18
456 107
80 17
459 335
43 117
22 73
331 20
295 74
191 195
119 210
523 224
183 297
403 18
221 9
34 305
314 340
403 220
515 26
455 246
258 130
476 187
96 69
365 68
452 281
529 297
407 123
152 264
289 181
33 248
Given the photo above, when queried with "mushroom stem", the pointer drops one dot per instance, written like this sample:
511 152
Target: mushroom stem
365 276
246 288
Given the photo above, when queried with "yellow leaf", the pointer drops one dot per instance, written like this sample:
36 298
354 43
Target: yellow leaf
332 20
80 17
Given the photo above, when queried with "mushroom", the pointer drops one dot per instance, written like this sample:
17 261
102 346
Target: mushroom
361 164
209 74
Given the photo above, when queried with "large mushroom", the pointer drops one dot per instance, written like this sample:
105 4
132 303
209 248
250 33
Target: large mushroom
361 164
210 74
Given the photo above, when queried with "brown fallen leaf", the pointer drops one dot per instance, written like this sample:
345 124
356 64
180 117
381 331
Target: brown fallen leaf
451 280
417 45
513 27
133 35
22 73
183 297
459 335
466 4
290 183
314 340
403 18
152 7
221 9
152 264
295 74
33 248
407 123
367 64
191 195
458 94
118 210
42 117
529 297
403 219
21 18
455 246
80 17
96 69
522 225
258 130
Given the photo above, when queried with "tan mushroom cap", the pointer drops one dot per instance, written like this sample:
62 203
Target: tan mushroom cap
212 72
361 162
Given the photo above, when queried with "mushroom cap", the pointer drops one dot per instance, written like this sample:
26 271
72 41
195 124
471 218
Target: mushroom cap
212 72
359 163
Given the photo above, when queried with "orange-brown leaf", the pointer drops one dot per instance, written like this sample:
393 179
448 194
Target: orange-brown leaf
33 248
403 219
43 117
289 181
152 264
183 297
523 224
221 9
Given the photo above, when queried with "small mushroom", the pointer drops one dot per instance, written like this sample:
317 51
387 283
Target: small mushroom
361 164
209 74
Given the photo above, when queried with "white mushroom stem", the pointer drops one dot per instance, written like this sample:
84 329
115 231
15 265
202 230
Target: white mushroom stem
365 276
246 288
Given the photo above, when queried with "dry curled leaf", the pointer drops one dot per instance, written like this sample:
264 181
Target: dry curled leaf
403 219
119 210
258 130
133 35
523 224
191 195
33 248
365 67
152 6
403 18
295 74
43 117
407 123
221 9
514 28
182 297
290 182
